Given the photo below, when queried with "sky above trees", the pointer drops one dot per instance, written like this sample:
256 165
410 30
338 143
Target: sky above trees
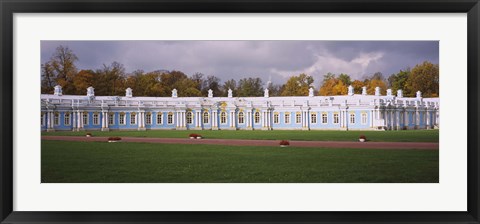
270 60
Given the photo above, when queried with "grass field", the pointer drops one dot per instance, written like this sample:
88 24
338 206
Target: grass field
376 136
102 162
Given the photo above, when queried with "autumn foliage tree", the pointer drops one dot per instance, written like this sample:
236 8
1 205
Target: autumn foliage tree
298 85
332 85
112 80
425 78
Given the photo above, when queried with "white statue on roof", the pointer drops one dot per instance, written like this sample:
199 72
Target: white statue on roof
174 93
310 91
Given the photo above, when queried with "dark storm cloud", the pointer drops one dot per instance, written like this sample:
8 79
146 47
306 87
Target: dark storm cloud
275 60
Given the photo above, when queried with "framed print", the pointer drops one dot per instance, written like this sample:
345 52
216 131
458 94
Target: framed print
247 112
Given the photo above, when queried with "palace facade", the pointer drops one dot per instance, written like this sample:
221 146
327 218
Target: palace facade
345 112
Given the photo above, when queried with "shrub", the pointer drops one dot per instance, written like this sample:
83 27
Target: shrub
362 137
193 135
114 138
284 142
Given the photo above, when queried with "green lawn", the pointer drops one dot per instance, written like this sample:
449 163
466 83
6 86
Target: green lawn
102 162
377 136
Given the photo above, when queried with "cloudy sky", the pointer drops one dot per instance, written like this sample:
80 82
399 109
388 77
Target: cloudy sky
270 60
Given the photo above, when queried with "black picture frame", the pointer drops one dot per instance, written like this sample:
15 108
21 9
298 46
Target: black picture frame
9 7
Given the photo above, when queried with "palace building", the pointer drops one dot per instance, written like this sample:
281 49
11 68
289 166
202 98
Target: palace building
345 112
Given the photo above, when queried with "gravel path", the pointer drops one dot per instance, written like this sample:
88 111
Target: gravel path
243 142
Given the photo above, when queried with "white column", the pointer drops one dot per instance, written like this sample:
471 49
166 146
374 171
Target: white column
80 120
49 120
371 118
103 119
177 119
198 119
428 119
269 119
264 116
73 120
106 119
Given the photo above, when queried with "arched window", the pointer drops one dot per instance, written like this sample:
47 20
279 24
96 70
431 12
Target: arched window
352 118
206 117
170 118
257 117
189 117
241 118
223 117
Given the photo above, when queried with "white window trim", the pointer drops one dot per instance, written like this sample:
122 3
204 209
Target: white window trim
226 119
134 120
56 119
311 118
278 118
168 120
338 118
326 118
98 119
65 118
191 117
124 119
159 114
208 117
255 117
298 121
243 118
350 118
146 119
111 117
287 121
366 118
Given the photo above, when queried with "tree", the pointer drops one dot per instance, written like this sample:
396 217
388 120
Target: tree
111 80
424 78
298 85
376 80
345 79
48 78
332 86
213 83
398 81
357 86
83 80
250 87
63 66
275 89
230 84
